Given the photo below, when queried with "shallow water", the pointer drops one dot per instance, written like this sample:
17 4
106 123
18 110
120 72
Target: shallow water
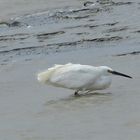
40 35
33 111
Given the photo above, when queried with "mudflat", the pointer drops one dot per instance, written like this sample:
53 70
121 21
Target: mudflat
35 35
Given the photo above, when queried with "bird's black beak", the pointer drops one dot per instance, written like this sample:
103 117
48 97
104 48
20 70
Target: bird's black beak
120 74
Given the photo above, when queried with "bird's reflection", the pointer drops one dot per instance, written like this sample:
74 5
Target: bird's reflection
75 103
86 98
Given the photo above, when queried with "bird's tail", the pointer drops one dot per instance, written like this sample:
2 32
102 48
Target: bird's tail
44 76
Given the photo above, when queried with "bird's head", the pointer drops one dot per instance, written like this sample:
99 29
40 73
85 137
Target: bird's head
107 71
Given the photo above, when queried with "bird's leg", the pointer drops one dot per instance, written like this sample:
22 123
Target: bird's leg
76 92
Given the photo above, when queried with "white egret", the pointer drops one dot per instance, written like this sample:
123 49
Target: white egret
79 77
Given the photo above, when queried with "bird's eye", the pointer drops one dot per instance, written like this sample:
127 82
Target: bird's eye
109 71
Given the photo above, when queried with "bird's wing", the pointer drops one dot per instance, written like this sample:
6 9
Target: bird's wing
74 76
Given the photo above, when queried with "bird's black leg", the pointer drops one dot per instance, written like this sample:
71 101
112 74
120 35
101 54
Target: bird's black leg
76 93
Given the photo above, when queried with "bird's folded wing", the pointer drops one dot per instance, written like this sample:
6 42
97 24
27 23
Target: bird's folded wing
73 77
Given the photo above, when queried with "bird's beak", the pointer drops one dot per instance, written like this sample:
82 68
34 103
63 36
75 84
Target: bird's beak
120 74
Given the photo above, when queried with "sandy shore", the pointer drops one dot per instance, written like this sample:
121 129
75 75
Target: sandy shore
30 110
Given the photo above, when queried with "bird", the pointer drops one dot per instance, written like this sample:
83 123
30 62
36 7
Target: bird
81 78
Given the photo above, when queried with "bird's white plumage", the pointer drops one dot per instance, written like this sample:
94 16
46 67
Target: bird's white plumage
77 77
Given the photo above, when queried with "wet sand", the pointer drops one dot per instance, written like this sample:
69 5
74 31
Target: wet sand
30 110
35 36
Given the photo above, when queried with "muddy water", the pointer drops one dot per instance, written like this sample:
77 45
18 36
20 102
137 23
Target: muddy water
38 35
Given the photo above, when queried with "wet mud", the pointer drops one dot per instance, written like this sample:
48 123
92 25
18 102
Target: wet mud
62 29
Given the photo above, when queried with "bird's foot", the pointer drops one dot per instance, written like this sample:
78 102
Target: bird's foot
76 93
